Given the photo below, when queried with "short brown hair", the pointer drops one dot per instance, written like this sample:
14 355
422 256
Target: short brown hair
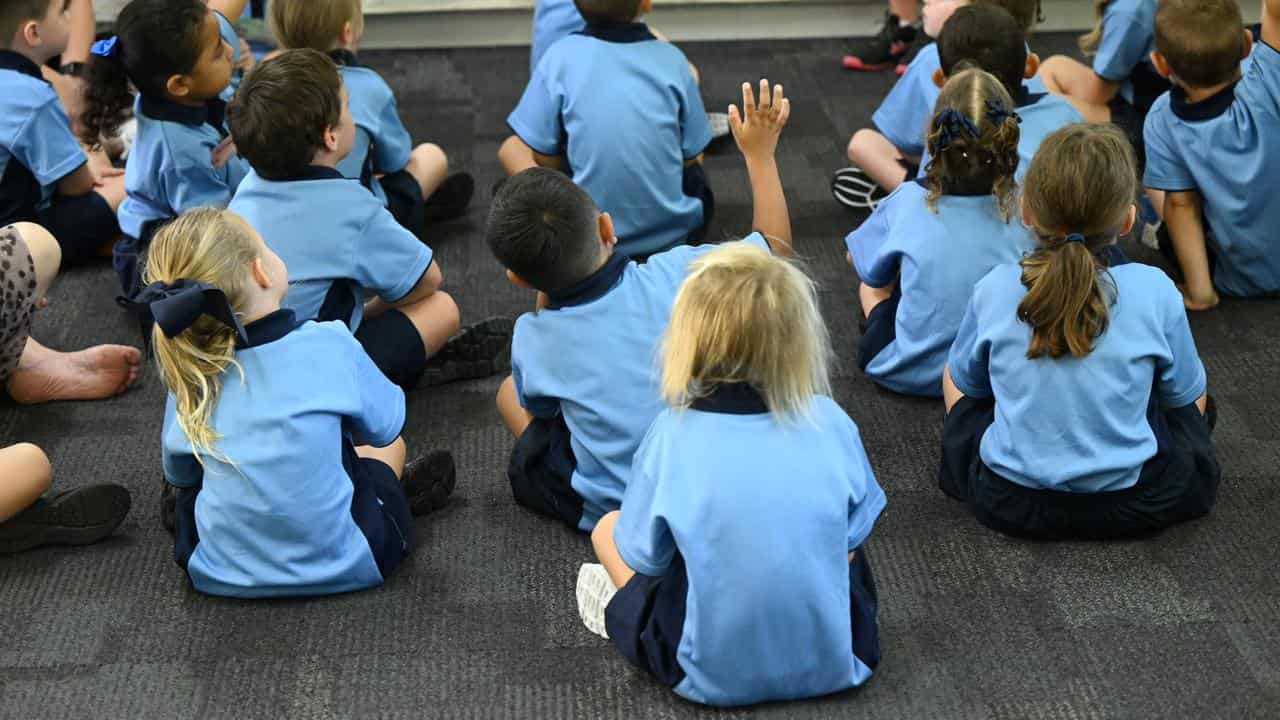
15 12
622 11
314 24
1025 12
281 110
1203 40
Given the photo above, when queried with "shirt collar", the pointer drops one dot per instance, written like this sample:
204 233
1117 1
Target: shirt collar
1026 97
1113 256
592 287
269 328
616 32
1211 107
314 172
212 113
10 60
737 398
978 189
344 57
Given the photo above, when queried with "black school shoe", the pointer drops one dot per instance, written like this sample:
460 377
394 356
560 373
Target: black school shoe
886 49
451 199
75 517
429 481
479 351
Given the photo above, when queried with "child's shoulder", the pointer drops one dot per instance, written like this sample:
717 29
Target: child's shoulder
363 82
1138 9
21 94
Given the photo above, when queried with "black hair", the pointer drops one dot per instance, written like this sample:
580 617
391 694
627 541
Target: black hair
989 38
544 228
155 40
618 11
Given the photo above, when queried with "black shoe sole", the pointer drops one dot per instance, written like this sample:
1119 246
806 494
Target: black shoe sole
429 481
451 200
77 517
479 351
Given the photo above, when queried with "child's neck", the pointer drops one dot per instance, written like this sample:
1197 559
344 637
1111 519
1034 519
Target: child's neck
186 100
1195 95
259 307
324 158
29 53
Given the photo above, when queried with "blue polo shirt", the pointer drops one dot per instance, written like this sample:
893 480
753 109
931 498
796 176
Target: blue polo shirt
1128 37
37 147
340 244
936 258
552 20
274 509
1077 424
625 109
1225 147
592 356
382 143
764 513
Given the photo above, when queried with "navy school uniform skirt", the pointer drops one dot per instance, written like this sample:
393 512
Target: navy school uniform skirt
879 329
541 471
1179 483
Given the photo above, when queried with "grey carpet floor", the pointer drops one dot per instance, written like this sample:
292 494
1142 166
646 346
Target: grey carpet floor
481 621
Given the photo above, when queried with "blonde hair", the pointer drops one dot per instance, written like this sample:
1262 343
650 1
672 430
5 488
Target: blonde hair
989 160
743 315
215 247
1090 41
314 24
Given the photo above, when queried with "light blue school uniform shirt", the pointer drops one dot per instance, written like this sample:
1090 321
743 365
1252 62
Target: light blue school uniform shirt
1128 37
592 356
276 520
625 110
904 115
1077 424
341 245
552 20
170 168
382 145
936 258
1226 148
37 147
764 515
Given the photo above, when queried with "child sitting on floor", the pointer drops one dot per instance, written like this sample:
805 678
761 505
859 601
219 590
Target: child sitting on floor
1076 401
737 557
45 175
413 182
927 244
281 437
583 388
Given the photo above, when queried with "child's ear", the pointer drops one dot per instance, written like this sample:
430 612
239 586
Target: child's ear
331 139
646 7
1130 220
605 224
518 281
1161 65
30 33
939 78
347 37
260 276
1025 213
1248 43
178 86
1033 66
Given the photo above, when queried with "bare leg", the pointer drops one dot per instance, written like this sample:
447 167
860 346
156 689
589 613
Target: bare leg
871 297
950 393
607 551
429 166
515 156
878 158
112 190
513 414
908 11
436 317
26 474
392 455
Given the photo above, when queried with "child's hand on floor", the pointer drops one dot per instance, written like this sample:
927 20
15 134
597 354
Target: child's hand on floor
757 127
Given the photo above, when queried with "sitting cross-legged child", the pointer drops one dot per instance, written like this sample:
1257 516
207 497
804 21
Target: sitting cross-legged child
1076 401
735 572
413 182
281 437
583 386
80 516
926 245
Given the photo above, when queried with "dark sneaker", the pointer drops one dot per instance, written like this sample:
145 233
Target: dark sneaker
451 199
75 517
479 351
884 50
920 42
429 481
853 189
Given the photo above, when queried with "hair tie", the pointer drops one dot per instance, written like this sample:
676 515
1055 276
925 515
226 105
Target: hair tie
177 306
952 125
105 48
998 113
1076 238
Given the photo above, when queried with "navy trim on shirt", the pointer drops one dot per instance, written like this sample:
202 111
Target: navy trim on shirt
343 57
1027 98
269 328
213 113
593 287
10 60
313 172
1113 256
737 398
616 32
1209 108
957 189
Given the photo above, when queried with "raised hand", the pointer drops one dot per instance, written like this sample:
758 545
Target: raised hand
757 126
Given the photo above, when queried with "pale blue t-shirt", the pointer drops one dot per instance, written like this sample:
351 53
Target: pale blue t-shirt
37 147
382 145
552 20
1128 37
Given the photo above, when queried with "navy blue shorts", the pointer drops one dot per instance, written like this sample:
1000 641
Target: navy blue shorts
128 255
541 471
1179 483
695 185
83 224
393 343
879 329
404 200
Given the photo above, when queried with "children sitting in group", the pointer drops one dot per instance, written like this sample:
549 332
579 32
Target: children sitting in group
921 251
281 437
45 175
583 390
413 182
620 110
738 557
178 55
1213 146
1076 401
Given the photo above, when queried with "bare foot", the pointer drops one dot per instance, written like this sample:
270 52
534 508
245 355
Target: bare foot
91 374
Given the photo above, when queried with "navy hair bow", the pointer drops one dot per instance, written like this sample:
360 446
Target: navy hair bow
1076 238
178 305
998 113
952 125
105 48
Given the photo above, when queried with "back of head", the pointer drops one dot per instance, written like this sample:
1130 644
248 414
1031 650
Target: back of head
607 11
1025 12
1202 40
314 24
282 109
545 229
214 247
155 40
1078 193
973 140
16 13
988 37
745 316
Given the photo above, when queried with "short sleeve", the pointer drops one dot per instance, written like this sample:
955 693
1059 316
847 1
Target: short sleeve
390 260
968 361
524 373
391 142
1125 39
228 31
642 536
759 240
196 186
695 127
537 118
1261 82
866 498
380 417
906 110
874 261
1182 377
181 469
1166 166
46 146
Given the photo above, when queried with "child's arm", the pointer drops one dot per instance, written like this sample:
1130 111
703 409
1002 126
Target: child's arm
756 129
1182 215
1271 23
79 182
83 28
229 9
551 162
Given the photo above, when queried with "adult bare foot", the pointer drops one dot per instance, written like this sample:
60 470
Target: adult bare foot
91 374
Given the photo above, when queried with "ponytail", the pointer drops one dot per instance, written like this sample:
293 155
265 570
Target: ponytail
107 97
973 141
191 366
1068 299
1090 41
